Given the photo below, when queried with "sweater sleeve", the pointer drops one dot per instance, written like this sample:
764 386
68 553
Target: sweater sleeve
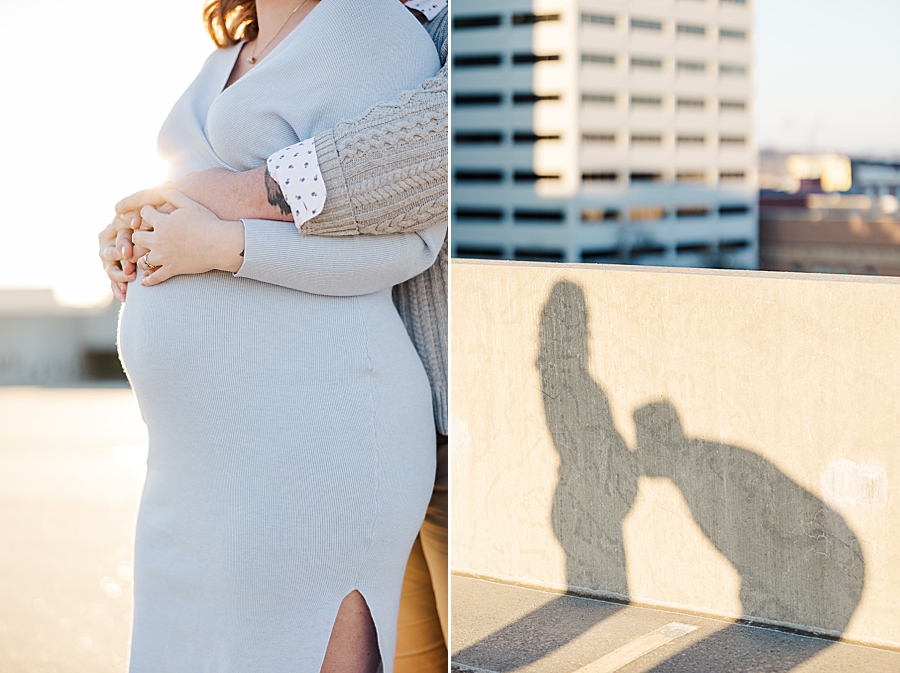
275 253
386 171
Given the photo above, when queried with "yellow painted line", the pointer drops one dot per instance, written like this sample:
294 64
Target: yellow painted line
618 659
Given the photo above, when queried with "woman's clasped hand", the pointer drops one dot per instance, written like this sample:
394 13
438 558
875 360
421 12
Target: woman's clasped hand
176 238
185 239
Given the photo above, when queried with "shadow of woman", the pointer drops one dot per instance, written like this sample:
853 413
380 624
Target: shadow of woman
598 475
597 485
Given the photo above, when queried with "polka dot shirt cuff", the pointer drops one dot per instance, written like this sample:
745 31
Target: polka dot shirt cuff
430 8
296 170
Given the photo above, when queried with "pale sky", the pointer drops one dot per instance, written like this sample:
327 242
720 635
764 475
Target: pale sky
87 87
828 76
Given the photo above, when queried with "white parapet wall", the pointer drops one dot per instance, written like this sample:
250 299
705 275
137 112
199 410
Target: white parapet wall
726 443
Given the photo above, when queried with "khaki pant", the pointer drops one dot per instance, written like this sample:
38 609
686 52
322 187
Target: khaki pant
422 625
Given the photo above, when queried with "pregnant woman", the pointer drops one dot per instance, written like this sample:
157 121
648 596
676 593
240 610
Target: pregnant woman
291 434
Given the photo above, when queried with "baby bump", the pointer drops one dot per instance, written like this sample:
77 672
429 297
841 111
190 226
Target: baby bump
279 421
217 361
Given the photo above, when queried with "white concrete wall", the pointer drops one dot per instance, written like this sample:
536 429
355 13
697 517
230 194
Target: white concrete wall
718 442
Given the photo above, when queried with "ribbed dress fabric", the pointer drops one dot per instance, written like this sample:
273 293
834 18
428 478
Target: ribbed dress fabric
291 428
386 172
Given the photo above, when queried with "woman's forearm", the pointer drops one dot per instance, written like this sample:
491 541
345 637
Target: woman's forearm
274 252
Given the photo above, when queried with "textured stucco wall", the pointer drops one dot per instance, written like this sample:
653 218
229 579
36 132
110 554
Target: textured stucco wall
724 442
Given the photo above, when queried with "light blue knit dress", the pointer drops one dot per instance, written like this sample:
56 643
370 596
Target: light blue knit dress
291 431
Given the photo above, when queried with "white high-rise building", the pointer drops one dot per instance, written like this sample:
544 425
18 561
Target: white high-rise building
604 130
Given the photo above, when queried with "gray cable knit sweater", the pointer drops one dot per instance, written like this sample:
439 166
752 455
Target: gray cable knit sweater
386 172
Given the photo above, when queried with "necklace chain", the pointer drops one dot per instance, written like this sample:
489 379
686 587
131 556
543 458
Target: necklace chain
252 59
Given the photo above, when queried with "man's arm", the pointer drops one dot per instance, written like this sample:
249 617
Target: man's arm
386 170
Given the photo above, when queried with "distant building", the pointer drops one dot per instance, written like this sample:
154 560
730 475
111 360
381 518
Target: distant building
830 233
876 178
598 132
44 343
829 214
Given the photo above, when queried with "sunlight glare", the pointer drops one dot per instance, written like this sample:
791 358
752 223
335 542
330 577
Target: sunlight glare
82 134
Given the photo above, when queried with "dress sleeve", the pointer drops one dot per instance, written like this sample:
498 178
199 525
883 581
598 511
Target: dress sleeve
275 253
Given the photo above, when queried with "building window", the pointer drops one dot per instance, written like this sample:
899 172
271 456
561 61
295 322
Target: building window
602 19
732 70
469 99
605 59
477 60
529 137
646 139
472 175
527 19
478 138
690 176
642 24
690 29
599 215
600 255
692 248
650 63
601 176
531 176
479 213
530 59
598 137
733 246
484 21
691 66
695 140
479 252
647 250
691 103
691 211
606 98
645 213
523 98
732 140
529 215
646 101
740 209
732 105
732 175
731 34
645 176
538 255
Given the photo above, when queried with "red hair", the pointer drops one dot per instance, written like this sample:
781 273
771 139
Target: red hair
230 21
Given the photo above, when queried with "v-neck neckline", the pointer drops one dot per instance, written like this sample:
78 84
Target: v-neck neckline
239 47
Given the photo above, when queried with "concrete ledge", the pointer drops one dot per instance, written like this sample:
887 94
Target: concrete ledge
723 443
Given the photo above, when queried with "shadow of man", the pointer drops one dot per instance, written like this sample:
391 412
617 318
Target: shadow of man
799 562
